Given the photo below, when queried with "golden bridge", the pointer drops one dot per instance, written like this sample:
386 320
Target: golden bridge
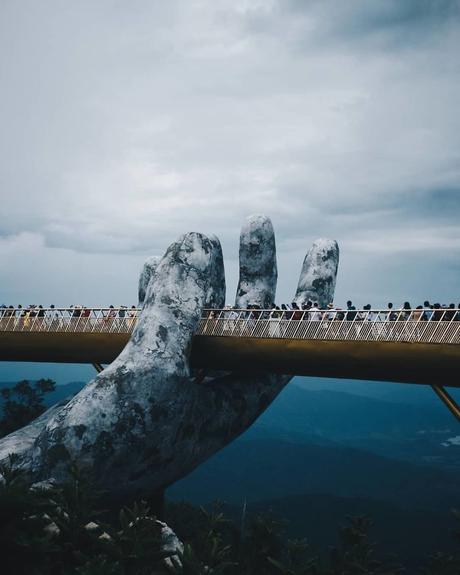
407 346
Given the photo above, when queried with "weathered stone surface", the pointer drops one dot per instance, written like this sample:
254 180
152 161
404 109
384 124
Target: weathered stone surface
147 273
171 544
129 420
215 297
258 270
143 422
23 439
319 273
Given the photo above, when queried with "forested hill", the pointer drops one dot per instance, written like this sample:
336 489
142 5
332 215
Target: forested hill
60 393
324 450
270 468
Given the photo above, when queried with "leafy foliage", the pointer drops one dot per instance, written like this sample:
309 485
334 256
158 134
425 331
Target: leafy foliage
23 403
356 553
62 530
56 530
446 563
24 535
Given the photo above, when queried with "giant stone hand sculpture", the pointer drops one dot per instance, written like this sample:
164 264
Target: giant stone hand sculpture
144 422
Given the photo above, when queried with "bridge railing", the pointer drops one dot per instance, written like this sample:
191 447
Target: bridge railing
78 320
416 326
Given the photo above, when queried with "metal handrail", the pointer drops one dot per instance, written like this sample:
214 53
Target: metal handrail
412 326
70 319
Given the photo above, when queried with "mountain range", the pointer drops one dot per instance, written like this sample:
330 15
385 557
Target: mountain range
327 449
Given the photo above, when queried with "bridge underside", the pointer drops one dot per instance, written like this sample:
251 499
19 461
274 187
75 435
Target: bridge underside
430 364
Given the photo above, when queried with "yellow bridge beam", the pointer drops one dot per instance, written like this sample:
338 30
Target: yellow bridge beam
424 363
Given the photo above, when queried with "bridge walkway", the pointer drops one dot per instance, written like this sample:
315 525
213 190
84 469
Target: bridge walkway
420 346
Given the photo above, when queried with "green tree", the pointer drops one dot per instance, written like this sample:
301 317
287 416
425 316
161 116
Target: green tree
298 559
22 403
262 547
357 554
209 538
61 530
446 563
24 539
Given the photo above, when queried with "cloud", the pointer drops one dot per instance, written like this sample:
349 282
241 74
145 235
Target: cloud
381 24
124 126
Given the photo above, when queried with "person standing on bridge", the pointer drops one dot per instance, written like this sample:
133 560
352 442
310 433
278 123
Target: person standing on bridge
417 314
427 314
285 317
74 315
49 315
315 313
367 316
339 314
351 311
306 309
85 324
18 313
227 316
450 312
275 320
121 317
5 315
406 314
40 318
297 312
417 317
132 317
330 314
361 316
391 314
377 324
438 313
52 318
26 315
110 317
372 315
287 314
329 321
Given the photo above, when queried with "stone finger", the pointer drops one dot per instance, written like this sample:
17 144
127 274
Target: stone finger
215 298
147 273
258 269
319 273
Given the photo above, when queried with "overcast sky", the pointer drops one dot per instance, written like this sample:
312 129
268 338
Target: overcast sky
125 124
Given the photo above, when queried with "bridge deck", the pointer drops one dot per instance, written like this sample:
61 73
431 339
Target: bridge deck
369 346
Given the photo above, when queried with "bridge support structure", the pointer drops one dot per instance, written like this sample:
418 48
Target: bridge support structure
448 400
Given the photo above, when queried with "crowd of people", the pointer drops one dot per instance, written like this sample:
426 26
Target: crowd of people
311 311
124 316
56 318
310 321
